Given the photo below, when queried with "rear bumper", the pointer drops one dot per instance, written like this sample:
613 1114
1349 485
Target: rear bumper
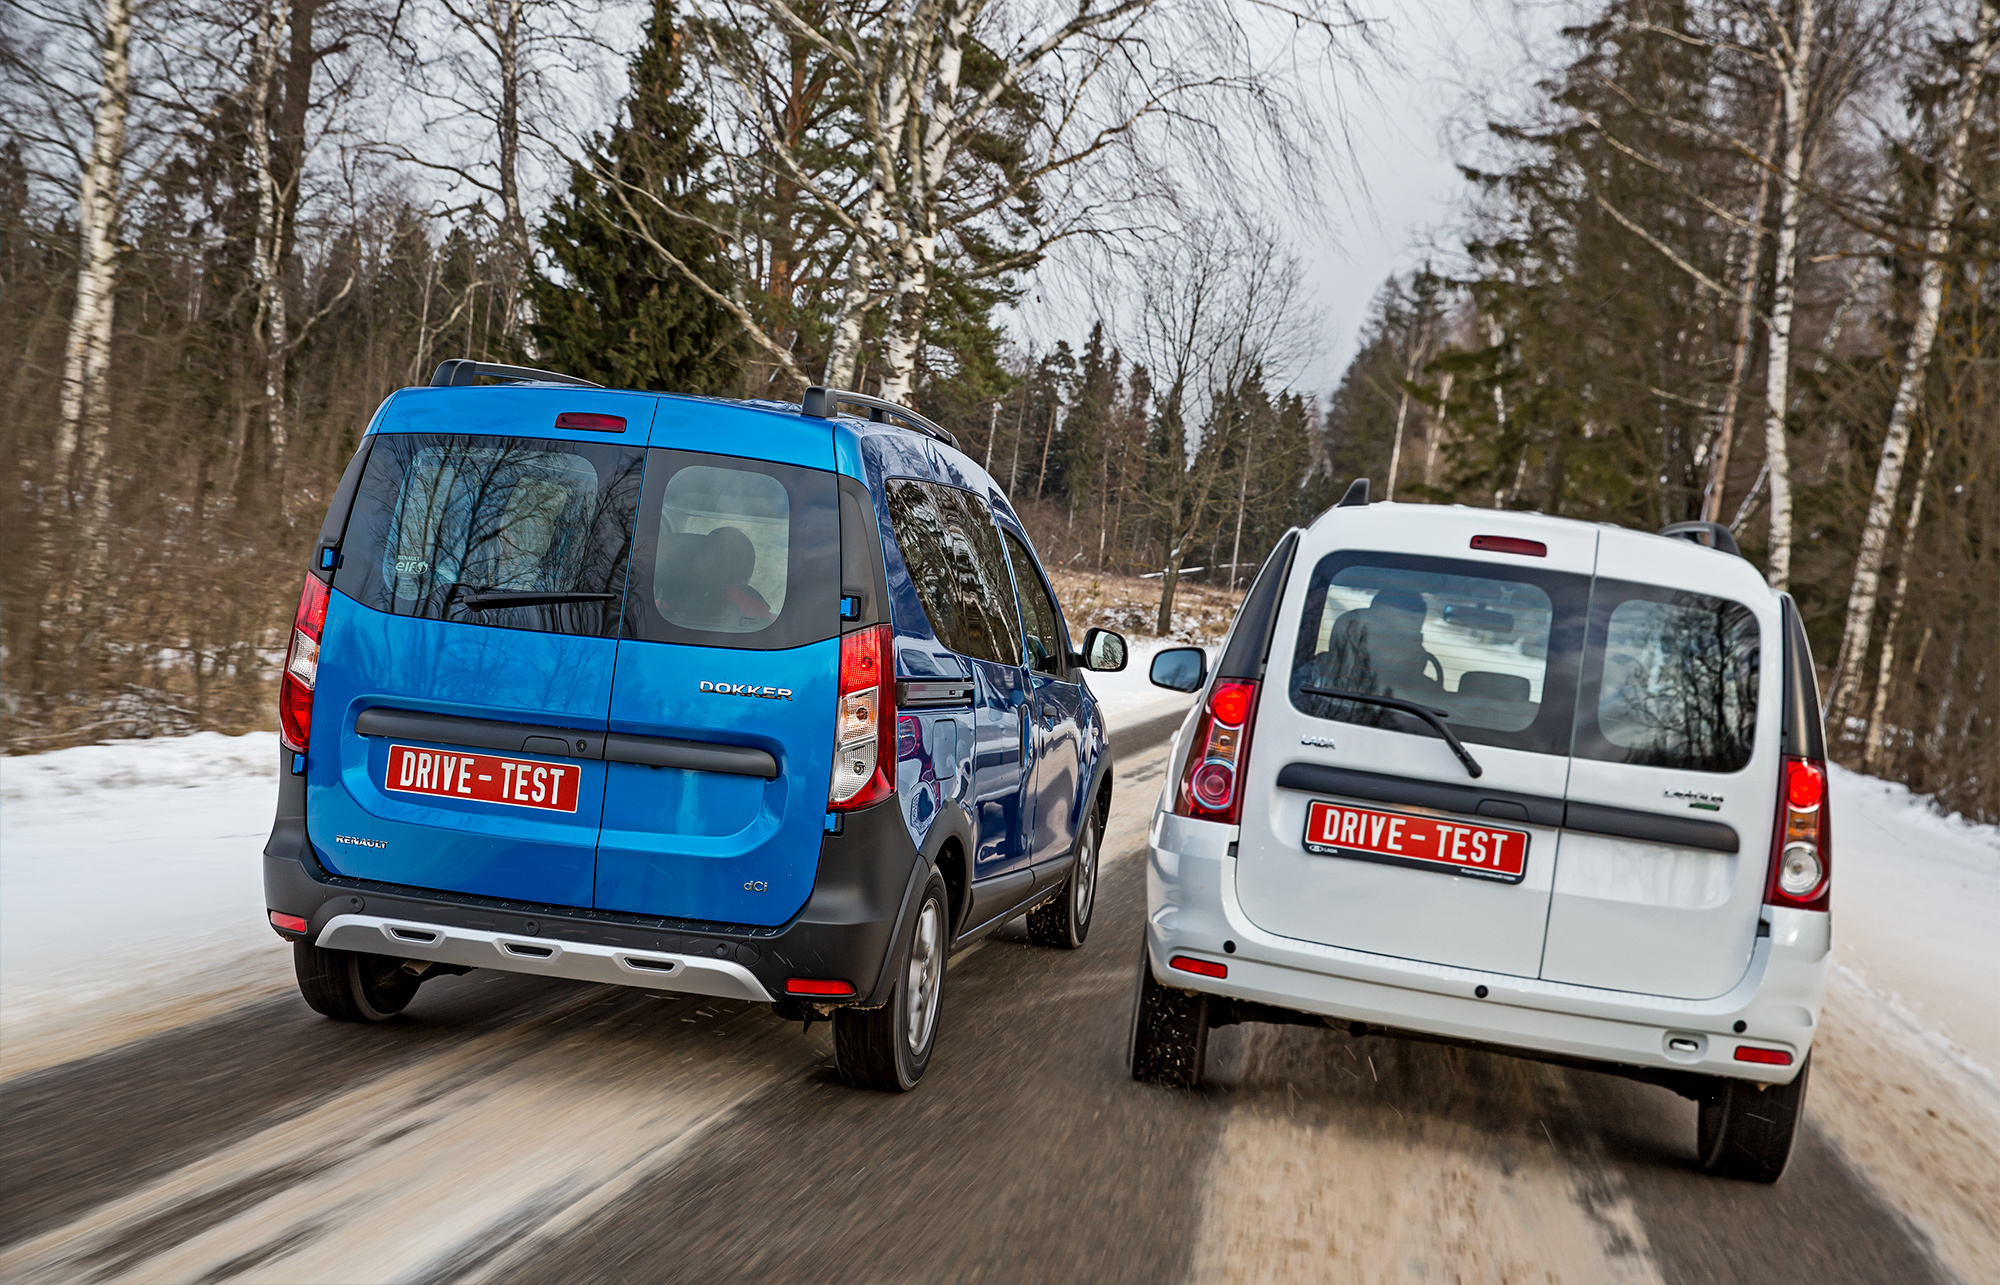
867 878
1192 910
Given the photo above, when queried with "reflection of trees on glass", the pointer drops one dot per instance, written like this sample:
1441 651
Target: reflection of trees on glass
1679 684
444 518
936 529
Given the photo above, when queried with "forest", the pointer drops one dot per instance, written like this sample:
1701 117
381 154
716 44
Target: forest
1722 259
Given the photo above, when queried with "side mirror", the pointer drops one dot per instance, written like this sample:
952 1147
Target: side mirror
1180 669
1103 651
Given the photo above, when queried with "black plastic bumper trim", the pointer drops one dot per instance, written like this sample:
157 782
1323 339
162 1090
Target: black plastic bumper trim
565 742
1536 809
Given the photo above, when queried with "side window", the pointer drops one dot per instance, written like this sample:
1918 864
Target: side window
1045 645
1670 680
438 520
947 543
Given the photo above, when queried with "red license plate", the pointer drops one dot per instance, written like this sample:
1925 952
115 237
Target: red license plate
484 778
1424 843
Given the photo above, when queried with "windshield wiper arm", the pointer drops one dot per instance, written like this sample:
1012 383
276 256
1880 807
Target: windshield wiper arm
489 598
1430 716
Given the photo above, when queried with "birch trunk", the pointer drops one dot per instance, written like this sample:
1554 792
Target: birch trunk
1916 363
1885 672
269 251
84 426
506 18
1795 67
1746 317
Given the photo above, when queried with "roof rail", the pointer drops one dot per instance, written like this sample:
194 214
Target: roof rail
824 403
461 372
1709 535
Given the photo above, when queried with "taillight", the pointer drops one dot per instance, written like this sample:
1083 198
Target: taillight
1212 782
1802 847
295 690
864 737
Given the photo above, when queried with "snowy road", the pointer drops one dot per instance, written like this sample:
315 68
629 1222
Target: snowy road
185 1128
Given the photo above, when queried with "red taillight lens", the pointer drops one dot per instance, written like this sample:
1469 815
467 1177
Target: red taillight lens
1212 781
1802 841
295 689
290 923
1769 1057
1805 785
817 986
1199 967
864 737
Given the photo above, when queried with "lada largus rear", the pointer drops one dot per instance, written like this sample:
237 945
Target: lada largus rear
749 700
1510 781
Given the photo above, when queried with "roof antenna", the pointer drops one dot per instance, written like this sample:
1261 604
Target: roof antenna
1357 494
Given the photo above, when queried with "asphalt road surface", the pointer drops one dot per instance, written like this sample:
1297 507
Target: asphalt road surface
509 1128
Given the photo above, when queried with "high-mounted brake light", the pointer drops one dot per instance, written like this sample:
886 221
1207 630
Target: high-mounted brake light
1802 840
591 421
295 689
1510 544
1211 781
864 735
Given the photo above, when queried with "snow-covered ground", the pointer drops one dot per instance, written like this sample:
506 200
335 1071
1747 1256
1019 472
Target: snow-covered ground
1916 915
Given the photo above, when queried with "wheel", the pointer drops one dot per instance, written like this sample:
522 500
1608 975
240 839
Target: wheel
350 987
1169 1039
1746 1130
888 1048
1063 921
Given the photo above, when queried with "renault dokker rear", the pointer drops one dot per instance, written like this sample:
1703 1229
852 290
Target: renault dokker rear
1512 781
603 686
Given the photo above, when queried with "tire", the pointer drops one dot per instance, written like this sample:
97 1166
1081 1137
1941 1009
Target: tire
1745 1130
888 1048
1169 1040
1063 921
351 987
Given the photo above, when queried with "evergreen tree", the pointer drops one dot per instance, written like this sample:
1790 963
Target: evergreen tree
617 311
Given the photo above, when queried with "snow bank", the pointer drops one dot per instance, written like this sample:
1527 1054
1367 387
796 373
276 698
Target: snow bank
1916 916
128 870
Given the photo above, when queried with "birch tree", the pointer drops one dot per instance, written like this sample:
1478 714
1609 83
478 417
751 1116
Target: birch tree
990 134
84 424
1946 199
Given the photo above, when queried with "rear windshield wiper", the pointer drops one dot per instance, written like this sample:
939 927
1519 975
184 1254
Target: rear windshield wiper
487 599
1435 717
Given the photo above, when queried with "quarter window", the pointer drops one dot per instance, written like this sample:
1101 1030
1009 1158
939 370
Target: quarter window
952 551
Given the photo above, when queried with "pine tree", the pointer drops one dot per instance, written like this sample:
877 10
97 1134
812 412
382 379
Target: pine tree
617 311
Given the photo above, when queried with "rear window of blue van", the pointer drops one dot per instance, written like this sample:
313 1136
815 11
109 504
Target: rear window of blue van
657 545
440 520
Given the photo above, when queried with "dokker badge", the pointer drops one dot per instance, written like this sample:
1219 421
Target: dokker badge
744 689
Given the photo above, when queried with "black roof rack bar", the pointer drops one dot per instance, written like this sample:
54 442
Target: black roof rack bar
463 372
1710 535
823 403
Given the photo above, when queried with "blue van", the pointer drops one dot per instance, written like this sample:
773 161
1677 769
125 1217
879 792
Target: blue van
743 699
